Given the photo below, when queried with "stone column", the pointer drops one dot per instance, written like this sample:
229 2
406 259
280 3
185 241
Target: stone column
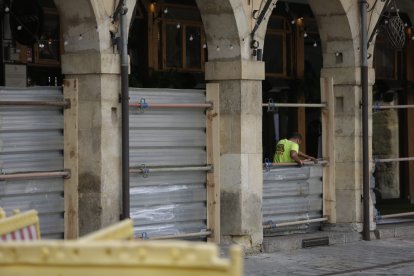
98 136
241 150
93 144
348 144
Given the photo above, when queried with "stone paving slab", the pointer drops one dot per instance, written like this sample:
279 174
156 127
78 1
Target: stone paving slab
394 256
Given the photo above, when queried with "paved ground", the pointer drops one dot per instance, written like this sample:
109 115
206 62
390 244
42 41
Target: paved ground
393 256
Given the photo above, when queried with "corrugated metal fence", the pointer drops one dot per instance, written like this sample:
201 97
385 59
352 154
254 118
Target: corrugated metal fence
31 140
168 203
292 194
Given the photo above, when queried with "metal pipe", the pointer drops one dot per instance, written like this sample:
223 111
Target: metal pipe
64 174
168 169
125 111
260 18
394 159
179 236
309 163
63 104
364 89
290 223
321 105
408 214
393 106
165 105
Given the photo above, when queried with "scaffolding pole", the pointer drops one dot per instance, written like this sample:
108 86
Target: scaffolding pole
313 105
272 225
170 105
178 236
147 170
64 104
386 160
64 174
375 107
408 214
306 163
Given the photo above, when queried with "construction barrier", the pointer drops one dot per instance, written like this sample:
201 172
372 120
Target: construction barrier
20 227
123 230
121 258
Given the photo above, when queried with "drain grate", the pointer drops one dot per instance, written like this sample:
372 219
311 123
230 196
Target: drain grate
315 242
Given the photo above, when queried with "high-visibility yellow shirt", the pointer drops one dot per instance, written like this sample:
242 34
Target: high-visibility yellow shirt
283 149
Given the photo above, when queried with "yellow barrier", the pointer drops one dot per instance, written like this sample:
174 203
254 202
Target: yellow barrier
2 213
123 230
121 258
23 226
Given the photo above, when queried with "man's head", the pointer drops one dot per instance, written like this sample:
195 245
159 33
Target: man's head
295 137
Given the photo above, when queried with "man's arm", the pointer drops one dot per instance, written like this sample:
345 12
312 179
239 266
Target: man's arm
295 156
301 154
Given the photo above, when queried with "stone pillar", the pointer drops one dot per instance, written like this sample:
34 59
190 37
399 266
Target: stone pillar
93 63
241 150
98 136
348 144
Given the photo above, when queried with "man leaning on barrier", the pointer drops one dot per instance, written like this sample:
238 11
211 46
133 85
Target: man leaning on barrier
287 151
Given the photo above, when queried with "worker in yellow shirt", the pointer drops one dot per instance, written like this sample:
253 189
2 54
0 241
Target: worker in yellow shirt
287 151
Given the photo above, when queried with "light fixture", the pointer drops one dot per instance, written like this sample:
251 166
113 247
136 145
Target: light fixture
218 48
191 38
152 6
300 21
6 9
204 45
19 28
231 47
178 25
80 37
305 34
153 9
315 44
65 42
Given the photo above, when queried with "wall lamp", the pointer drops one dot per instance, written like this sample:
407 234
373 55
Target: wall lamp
153 10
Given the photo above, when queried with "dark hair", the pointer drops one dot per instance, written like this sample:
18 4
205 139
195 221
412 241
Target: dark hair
296 135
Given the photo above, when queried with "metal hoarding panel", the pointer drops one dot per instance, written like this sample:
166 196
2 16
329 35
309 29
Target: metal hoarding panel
292 194
168 203
31 140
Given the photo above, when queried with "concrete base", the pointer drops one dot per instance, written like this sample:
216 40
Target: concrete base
292 242
393 230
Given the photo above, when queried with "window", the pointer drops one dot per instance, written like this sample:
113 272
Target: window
387 61
182 39
183 46
277 51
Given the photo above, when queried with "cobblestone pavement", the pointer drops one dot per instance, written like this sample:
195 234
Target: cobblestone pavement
393 256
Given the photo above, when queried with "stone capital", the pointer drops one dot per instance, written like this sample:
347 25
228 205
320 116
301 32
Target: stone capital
90 63
347 75
235 70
